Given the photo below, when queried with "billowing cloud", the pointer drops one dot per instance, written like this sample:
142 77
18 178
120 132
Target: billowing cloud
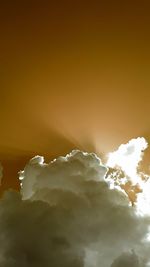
67 214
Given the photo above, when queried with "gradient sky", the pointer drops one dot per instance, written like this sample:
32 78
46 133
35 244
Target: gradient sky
73 74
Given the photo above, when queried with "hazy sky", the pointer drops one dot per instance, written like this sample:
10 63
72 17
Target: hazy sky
73 74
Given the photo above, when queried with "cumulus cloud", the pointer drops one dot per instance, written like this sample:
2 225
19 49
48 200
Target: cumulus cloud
67 214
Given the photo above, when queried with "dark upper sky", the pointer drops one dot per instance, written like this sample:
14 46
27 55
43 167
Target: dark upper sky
73 74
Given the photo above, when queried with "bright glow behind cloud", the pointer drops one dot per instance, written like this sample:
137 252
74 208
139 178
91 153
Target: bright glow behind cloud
128 157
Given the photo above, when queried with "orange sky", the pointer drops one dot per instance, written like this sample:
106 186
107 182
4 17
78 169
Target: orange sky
74 74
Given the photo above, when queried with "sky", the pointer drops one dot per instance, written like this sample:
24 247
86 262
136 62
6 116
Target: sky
73 74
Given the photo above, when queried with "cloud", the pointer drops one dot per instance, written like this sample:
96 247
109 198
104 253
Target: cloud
67 215
128 259
68 173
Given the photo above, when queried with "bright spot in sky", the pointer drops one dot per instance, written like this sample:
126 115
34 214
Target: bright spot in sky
127 158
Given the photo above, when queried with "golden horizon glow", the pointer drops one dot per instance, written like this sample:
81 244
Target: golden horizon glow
74 75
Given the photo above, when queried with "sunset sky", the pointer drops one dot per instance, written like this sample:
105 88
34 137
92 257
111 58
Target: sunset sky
73 74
